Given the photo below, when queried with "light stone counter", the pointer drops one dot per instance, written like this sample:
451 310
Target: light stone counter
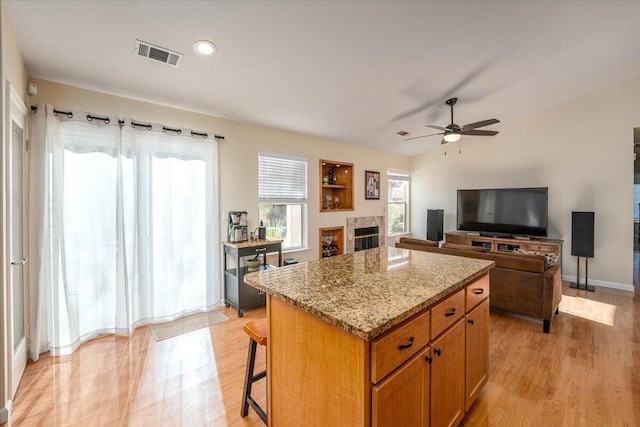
369 292
251 243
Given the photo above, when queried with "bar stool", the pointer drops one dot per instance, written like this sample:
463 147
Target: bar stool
257 331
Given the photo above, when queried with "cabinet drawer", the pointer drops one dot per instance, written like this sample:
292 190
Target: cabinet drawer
541 247
390 350
477 291
458 240
262 249
446 313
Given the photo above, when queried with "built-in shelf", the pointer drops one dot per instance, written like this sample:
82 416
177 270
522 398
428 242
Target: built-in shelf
331 241
336 186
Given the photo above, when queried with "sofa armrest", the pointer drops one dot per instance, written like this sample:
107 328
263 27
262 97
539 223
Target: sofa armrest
551 291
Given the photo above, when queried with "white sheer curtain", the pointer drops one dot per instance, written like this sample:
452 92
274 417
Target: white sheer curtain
123 228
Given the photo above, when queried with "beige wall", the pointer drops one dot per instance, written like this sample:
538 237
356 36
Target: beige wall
14 71
581 149
239 155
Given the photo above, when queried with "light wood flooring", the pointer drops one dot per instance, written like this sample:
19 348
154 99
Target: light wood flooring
584 373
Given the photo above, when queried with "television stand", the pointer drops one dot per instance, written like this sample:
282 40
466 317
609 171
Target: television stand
502 244
496 235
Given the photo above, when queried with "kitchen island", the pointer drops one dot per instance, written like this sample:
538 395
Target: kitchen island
385 336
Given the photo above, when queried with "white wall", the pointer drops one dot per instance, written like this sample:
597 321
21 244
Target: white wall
239 155
581 149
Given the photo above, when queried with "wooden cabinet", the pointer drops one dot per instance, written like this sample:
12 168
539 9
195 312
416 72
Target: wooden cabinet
477 351
456 239
336 186
391 349
496 244
402 399
447 377
476 291
447 312
427 370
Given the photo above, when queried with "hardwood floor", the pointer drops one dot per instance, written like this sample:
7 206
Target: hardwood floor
192 380
584 373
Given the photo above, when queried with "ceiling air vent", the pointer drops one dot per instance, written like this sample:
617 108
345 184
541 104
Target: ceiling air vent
157 53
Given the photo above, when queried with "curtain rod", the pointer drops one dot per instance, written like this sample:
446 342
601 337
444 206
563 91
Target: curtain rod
106 120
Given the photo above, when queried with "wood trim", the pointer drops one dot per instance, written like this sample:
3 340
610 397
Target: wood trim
338 232
343 187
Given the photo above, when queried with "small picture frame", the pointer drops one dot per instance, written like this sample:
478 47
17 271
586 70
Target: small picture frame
371 185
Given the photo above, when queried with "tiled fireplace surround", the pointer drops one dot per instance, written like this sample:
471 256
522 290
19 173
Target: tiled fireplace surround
361 222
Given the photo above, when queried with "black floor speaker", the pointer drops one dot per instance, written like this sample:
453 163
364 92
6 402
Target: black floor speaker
435 224
582 245
582 230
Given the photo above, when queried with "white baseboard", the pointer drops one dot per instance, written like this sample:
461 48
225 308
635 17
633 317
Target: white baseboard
4 412
602 283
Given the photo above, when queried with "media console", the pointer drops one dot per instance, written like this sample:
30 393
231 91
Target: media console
504 244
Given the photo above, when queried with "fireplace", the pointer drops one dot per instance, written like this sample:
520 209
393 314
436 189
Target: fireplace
365 232
366 238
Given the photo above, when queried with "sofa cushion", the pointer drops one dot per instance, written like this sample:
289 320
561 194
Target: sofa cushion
411 241
465 247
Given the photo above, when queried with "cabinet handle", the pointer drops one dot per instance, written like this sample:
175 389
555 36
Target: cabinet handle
478 291
437 351
261 249
470 321
405 346
450 313
428 359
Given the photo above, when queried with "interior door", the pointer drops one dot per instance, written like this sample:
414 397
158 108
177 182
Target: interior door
17 258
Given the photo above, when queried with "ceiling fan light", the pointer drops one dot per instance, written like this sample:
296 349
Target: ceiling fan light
452 137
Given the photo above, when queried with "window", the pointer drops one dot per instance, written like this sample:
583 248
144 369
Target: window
398 203
282 193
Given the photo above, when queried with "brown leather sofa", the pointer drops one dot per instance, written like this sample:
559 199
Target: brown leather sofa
519 283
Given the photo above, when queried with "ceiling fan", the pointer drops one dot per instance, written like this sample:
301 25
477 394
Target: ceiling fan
453 132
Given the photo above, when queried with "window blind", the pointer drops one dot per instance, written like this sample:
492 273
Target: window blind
281 178
398 176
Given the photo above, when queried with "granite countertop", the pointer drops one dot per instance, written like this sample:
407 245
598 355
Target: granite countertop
251 243
369 292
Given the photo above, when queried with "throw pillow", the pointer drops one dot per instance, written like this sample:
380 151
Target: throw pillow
551 257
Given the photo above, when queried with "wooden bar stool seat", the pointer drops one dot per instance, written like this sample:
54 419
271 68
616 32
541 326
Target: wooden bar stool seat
257 331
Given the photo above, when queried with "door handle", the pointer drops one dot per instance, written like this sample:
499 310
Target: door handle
405 346
23 262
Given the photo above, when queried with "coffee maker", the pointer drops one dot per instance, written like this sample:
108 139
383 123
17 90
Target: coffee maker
238 226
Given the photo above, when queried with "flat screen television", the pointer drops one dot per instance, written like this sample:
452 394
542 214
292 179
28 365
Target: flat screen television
504 211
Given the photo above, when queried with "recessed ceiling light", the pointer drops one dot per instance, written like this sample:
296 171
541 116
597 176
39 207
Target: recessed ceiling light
204 48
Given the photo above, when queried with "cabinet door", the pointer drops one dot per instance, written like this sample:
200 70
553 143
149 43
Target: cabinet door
447 377
248 295
402 399
477 351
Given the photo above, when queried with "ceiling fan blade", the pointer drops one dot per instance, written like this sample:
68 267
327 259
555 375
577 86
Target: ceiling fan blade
424 136
480 132
436 127
480 124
